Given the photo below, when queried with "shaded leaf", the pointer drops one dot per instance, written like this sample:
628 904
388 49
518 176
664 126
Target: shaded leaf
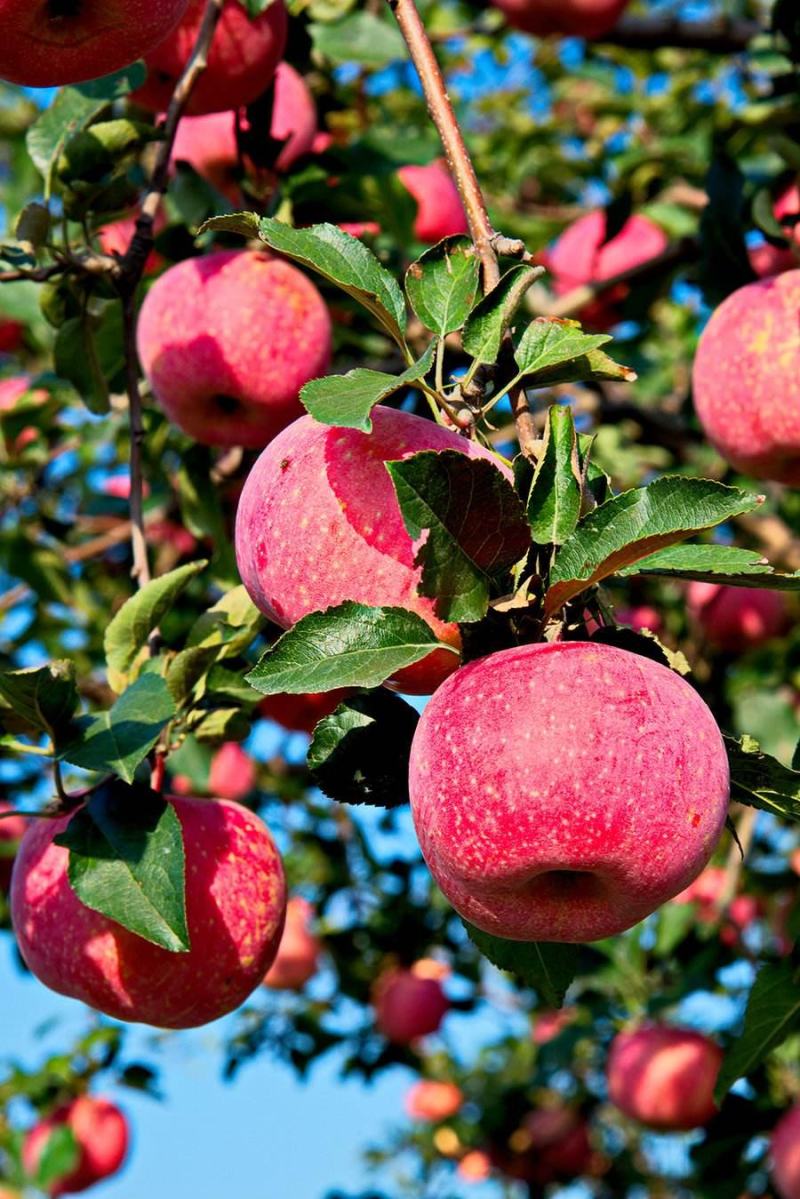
443 283
761 781
547 966
351 645
70 110
44 699
359 753
118 740
483 331
773 1012
116 85
715 564
475 523
347 400
360 37
231 624
126 860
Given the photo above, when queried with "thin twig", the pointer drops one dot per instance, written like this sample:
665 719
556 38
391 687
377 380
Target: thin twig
745 827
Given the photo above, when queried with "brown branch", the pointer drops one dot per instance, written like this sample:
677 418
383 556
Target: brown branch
37 274
725 35
77 553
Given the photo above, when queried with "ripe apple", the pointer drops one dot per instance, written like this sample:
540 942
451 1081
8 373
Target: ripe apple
69 41
100 1131
12 830
233 772
581 255
235 909
432 1100
116 237
664 1077
409 1003
736 619
301 713
440 212
319 523
641 616
227 341
706 891
208 143
576 18
745 379
602 797
552 1143
298 953
244 56
11 335
785 1151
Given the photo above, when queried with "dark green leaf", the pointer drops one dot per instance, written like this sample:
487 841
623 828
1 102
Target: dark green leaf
351 645
442 284
360 37
773 1012
126 860
762 781
476 527
118 740
231 624
116 85
33 225
715 564
549 342
359 754
554 501
347 400
90 354
187 669
127 633
547 966
638 523
483 332
44 698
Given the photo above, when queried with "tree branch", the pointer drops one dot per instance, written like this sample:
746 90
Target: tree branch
725 35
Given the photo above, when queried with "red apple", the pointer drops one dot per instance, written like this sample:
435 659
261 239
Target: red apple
319 523
785 1150
11 335
12 829
235 906
168 532
582 255
440 212
116 237
301 713
641 616
298 953
602 797
69 41
409 1003
101 1136
233 772
431 1100
553 1143
736 619
664 1077
706 891
577 18
227 341
746 380
244 56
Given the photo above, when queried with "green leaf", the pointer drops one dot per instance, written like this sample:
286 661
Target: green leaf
70 111
761 781
475 522
231 624
33 225
773 1012
547 966
360 37
254 8
118 740
126 860
488 321
89 353
715 564
347 400
44 698
635 524
219 724
359 754
442 284
595 365
549 342
338 257
116 85
554 501
127 633
187 669
351 645
59 1157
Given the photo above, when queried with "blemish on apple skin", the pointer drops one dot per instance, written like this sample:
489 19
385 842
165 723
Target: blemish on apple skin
695 819
285 463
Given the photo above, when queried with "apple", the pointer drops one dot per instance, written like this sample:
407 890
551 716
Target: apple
235 909
208 143
785 1152
298 953
115 239
169 533
563 791
11 335
319 523
227 341
101 1136
745 379
432 1100
409 1003
576 18
244 55
69 41
12 389
301 713
552 1143
475 1166
233 772
12 829
641 616
664 1077
736 619
581 255
440 212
